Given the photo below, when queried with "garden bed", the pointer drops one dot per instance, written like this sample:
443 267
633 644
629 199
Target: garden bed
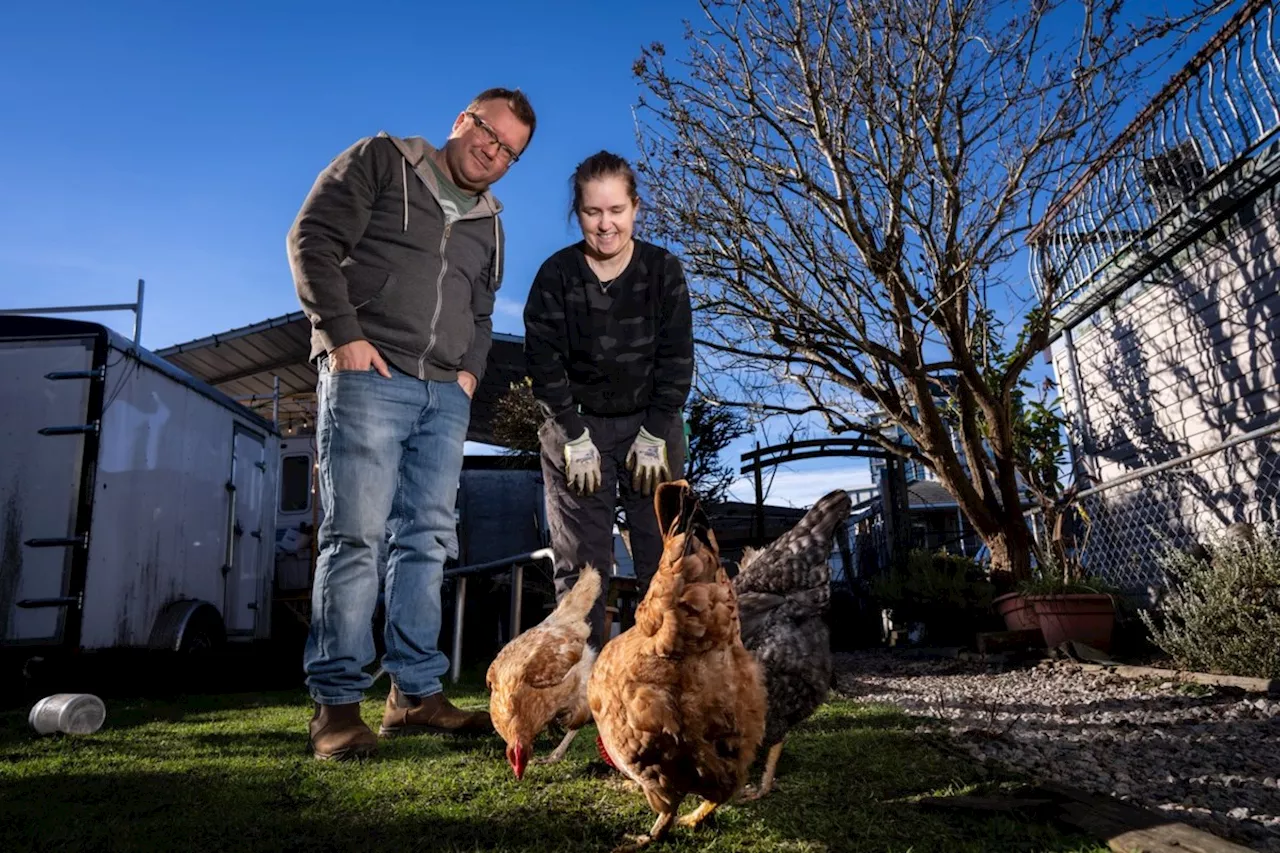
1206 755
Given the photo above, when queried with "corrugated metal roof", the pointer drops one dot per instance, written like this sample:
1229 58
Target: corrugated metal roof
243 363
927 494
921 495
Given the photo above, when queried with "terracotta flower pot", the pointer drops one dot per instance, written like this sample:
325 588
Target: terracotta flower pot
1084 617
1018 613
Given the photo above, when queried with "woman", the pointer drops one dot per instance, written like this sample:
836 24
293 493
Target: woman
609 347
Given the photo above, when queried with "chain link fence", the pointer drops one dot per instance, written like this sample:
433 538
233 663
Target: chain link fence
1183 503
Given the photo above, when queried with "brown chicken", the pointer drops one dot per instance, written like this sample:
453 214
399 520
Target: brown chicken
678 701
784 592
541 676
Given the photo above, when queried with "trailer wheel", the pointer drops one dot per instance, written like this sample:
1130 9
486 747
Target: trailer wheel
189 627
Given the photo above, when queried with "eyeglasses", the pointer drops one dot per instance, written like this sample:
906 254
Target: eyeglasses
505 151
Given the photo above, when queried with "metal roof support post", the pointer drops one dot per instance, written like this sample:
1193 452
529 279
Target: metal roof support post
759 482
517 600
137 315
459 607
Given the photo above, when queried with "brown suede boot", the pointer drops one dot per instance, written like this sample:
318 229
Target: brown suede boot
338 733
406 715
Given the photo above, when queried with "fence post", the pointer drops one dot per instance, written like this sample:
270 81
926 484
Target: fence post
759 517
896 508
459 608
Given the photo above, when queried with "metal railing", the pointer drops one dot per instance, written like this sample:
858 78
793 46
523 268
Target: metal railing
1159 183
135 307
461 573
1181 503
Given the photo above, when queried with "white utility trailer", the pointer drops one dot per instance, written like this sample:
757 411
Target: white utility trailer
137 504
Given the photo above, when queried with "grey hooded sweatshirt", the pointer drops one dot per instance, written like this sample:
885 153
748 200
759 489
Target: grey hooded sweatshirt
375 258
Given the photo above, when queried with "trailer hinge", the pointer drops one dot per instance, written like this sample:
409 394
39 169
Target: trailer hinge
81 541
78 429
63 601
98 373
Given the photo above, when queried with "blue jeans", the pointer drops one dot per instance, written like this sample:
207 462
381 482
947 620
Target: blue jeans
390 455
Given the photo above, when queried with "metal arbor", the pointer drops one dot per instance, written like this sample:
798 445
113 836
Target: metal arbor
893 486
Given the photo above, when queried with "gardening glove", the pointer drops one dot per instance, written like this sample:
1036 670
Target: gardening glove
647 462
582 464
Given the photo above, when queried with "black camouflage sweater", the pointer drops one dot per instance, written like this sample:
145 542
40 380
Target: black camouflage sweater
614 350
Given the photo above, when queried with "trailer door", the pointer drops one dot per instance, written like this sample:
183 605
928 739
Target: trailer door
244 580
45 387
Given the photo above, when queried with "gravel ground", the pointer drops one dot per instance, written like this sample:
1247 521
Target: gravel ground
1208 756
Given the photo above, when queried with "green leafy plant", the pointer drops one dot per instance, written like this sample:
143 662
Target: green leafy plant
1054 578
948 593
1222 614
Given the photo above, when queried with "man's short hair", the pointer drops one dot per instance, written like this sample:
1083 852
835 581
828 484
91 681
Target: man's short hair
516 100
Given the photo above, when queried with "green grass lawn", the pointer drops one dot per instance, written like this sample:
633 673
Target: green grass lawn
231 772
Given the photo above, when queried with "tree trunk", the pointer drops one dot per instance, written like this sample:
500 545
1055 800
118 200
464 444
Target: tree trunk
1010 549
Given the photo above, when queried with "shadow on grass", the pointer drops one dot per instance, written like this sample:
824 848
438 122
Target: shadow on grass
272 811
240 724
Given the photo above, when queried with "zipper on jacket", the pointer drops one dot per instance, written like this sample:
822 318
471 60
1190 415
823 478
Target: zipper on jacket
435 318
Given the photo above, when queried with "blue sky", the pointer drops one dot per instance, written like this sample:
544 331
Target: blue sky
175 141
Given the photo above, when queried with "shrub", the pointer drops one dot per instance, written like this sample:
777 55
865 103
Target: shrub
949 593
1222 614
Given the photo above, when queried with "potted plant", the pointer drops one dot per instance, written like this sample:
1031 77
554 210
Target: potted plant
1071 606
1067 603
1018 613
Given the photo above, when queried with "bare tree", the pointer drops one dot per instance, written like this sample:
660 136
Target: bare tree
850 185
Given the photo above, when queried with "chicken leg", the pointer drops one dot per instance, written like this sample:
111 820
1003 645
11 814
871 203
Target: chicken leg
770 771
558 753
659 831
695 818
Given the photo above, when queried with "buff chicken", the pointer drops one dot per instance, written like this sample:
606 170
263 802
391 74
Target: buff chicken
540 677
679 702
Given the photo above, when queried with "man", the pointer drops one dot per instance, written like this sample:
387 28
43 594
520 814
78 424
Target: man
396 256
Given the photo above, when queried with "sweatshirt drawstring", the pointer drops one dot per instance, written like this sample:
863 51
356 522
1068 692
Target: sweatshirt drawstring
404 222
404 192
497 251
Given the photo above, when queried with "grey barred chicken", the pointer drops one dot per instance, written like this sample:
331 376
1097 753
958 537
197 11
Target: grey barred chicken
784 592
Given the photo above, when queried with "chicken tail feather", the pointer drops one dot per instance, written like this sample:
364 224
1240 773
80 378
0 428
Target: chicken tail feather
577 602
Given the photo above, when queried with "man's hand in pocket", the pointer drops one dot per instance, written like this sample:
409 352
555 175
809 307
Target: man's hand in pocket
468 382
357 356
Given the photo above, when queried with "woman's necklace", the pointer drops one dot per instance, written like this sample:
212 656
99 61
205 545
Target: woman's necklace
607 271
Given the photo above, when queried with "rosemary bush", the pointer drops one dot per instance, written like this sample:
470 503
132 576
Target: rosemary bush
1222 614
